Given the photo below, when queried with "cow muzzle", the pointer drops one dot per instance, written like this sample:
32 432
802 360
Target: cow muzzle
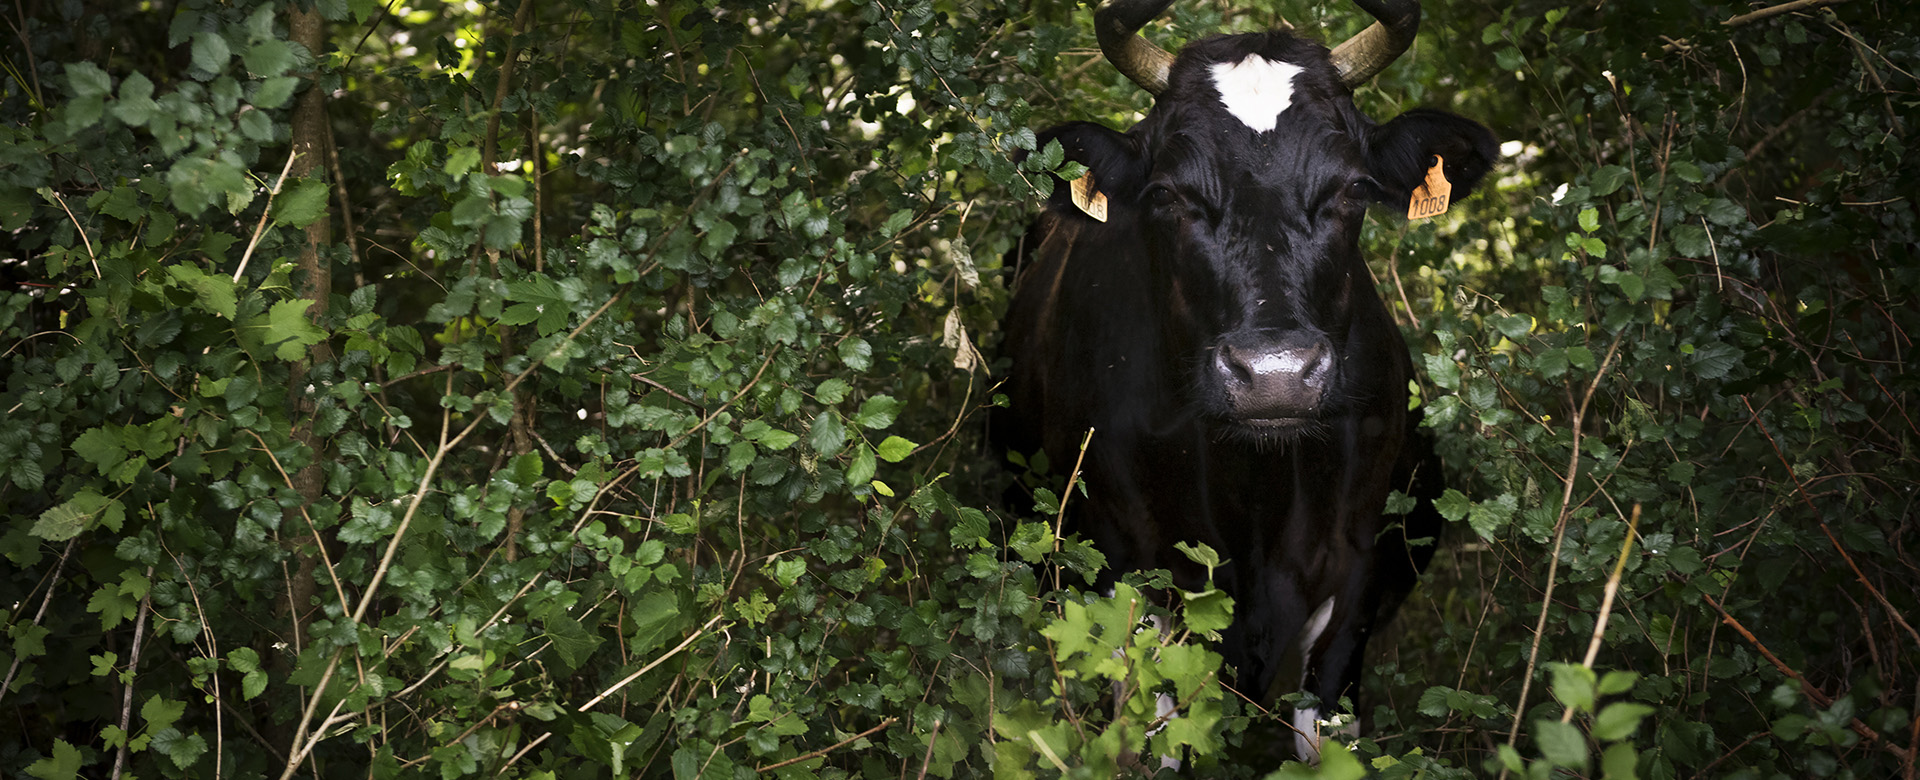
1275 379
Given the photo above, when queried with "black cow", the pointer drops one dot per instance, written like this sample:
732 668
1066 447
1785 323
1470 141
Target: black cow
1221 333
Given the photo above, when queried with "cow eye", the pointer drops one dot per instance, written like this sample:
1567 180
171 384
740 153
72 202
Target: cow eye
1162 196
1364 190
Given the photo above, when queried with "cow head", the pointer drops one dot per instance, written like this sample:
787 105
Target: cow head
1246 185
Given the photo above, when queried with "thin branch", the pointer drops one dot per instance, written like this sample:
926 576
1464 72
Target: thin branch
52 583
83 233
836 746
1559 536
133 664
265 212
624 681
1801 489
1818 697
1776 10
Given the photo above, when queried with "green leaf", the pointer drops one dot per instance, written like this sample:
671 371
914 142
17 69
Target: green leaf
1691 240
895 449
1453 505
136 106
1620 762
87 80
64 764
214 292
1618 720
210 51
288 331
159 713
300 204
856 353
1573 685
1608 179
77 515
1589 219
102 447
1208 611
183 749
1561 744
1617 682
270 57
274 92
828 434
862 468
1490 518
877 412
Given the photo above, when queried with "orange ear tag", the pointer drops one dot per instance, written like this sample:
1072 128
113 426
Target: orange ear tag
1090 200
1430 198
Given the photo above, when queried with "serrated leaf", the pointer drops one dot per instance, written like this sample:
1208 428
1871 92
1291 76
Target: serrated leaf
274 92
214 292
1618 720
78 515
1691 241
1573 685
895 449
64 764
159 713
861 470
88 81
828 434
288 331
877 412
300 204
102 447
1561 744
210 51
270 57
1608 179
1453 505
856 353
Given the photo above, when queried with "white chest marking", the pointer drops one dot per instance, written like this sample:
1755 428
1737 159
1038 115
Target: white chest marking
1255 90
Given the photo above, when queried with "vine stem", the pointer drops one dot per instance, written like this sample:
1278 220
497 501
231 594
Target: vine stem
1559 537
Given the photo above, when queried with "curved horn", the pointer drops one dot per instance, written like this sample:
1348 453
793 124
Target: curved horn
1366 54
1117 23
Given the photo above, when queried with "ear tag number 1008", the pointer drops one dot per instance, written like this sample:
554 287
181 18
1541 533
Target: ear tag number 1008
1430 198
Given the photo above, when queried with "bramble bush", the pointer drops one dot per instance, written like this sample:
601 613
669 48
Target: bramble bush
588 388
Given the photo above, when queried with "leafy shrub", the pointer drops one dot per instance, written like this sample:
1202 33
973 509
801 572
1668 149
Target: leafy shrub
575 389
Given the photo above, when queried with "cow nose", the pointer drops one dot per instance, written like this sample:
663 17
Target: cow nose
1274 376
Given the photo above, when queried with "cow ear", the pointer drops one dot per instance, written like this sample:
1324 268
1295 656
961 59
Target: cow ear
1400 151
1113 158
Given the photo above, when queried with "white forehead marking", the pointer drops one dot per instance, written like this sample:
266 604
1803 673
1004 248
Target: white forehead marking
1256 89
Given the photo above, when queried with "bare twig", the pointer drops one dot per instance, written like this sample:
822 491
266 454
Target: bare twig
83 233
624 681
264 213
1060 516
1559 536
52 583
1776 10
829 749
1818 697
133 664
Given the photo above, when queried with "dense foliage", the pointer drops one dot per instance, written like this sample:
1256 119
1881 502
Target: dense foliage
594 388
